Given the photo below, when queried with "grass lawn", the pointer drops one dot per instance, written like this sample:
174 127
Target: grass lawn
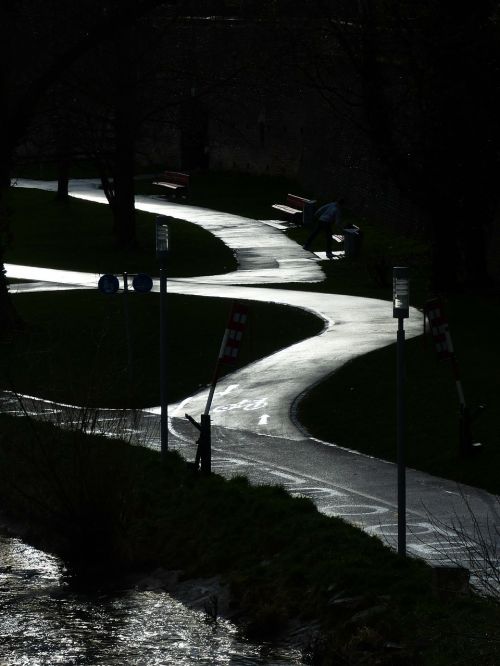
247 195
77 235
75 347
361 400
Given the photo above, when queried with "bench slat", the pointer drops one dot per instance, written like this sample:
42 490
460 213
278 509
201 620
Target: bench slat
172 186
294 201
174 180
295 206
176 176
286 209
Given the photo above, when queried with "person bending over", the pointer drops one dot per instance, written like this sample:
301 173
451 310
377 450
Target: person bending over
327 217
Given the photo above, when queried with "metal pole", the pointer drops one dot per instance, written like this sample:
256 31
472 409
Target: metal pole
216 372
128 335
206 445
400 440
163 360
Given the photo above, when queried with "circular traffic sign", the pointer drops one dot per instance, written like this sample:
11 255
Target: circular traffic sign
108 284
142 283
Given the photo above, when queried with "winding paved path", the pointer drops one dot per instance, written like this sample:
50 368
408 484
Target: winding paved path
259 397
252 413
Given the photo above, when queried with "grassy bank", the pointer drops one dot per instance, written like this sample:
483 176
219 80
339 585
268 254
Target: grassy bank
242 194
77 235
106 504
366 387
75 347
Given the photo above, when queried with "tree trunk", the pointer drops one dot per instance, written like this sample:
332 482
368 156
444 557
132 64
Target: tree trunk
125 108
63 168
63 159
124 207
124 199
10 321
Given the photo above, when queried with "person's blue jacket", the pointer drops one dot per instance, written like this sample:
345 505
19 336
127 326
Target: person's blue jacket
329 213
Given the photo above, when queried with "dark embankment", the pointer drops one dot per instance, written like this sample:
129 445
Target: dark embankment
106 506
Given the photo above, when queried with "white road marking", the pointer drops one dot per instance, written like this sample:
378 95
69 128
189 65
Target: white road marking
352 509
227 390
290 477
245 404
314 492
180 406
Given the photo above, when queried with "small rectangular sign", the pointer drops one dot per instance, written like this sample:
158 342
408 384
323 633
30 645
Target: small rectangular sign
434 311
234 332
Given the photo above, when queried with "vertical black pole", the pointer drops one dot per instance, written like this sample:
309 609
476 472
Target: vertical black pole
206 445
163 360
128 334
466 447
400 440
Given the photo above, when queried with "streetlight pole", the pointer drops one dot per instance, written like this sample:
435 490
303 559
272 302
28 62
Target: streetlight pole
161 255
401 311
128 335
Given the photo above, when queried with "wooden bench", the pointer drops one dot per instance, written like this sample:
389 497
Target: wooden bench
351 239
173 180
296 206
351 229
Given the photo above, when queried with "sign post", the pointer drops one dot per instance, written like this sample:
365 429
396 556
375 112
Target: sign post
109 284
401 311
161 255
228 353
440 330
128 335
230 345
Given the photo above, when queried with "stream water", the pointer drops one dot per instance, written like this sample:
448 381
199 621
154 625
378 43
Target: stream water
45 620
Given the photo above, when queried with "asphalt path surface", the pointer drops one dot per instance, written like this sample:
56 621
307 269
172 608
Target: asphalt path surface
255 432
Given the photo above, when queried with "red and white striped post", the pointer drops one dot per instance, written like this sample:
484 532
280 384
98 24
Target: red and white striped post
230 346
440 331
228 353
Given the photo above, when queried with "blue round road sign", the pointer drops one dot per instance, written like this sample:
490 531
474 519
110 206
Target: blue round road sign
142 283
108 284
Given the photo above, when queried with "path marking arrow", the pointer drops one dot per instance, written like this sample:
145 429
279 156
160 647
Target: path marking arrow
264 419
227 390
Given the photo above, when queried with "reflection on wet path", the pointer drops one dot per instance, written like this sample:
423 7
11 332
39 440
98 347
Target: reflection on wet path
43 621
